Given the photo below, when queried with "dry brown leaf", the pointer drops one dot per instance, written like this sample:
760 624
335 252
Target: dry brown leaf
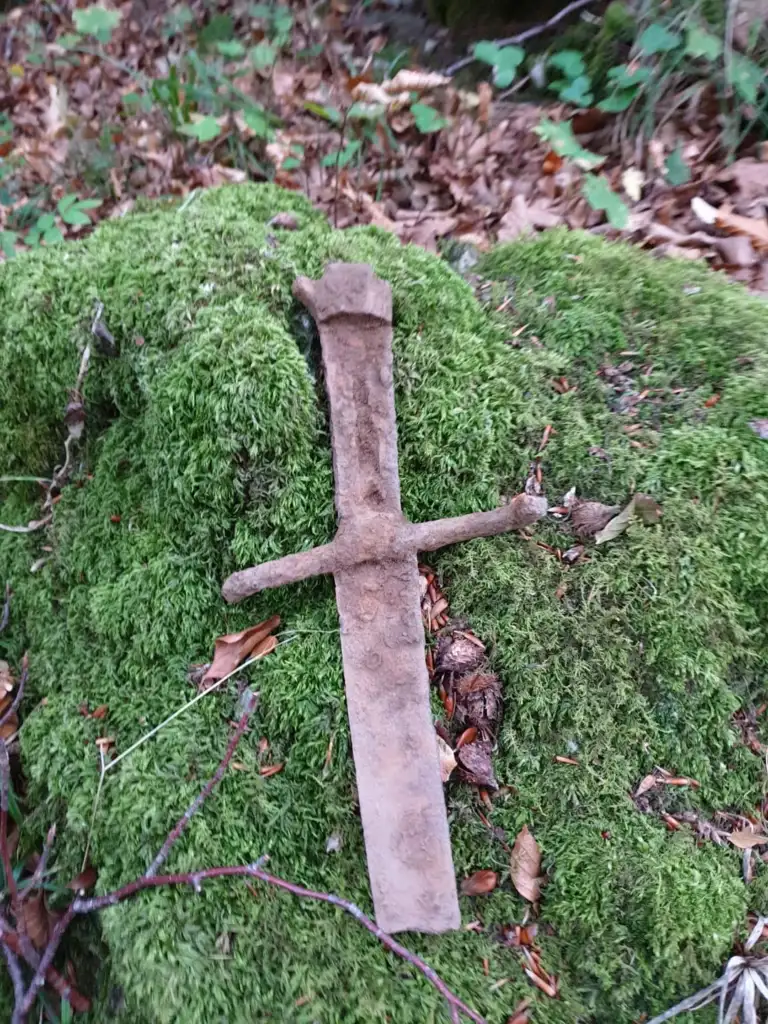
480 883
756 230
749 176
645 784
746 838
7 681
736 250
589 517
84 881
475 762
37 919
414 81
525 866
100 711
446 757
522 217
233 648
268 770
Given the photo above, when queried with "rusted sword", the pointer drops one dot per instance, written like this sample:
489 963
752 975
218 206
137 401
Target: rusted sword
373 560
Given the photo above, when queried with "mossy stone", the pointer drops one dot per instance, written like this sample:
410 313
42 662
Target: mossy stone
207 449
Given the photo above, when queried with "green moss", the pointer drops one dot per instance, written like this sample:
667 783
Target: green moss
207 438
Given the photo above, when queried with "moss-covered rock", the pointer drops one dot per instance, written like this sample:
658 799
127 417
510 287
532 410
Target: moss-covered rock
207 449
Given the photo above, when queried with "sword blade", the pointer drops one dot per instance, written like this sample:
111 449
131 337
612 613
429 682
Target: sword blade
395 748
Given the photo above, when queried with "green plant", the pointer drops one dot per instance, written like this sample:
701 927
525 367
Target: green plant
96 21
504 60
44 227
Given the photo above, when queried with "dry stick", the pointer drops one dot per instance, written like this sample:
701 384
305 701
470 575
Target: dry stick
46 960
14 706
521 37
25 945
15 972
37 878
205 792
6 608
35 524
77 1001
196 878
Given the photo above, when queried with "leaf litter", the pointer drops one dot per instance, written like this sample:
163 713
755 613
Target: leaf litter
461 161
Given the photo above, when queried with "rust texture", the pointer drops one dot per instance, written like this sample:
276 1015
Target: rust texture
373 559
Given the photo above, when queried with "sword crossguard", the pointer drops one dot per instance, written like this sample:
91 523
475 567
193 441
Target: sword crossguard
382 537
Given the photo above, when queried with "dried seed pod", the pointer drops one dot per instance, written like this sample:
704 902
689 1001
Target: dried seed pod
475 764
589 517
456 653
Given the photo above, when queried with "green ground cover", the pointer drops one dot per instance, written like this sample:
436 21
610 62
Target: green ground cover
207 437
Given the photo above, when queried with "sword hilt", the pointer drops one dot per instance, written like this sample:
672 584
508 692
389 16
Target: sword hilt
382 537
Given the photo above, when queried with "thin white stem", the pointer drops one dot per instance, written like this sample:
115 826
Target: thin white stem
185 707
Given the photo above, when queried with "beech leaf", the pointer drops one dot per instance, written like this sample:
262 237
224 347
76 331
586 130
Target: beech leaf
525 865
480 883
745 838
233 648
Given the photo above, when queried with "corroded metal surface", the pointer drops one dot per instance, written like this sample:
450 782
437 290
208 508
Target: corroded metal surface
373 559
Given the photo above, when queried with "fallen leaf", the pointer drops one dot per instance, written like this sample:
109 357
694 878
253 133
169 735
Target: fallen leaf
749 176
99 712
520 1015
746 838
525 865
752 227
480 883
414 81
7 682
522 217
475 761
447 759
646 784
589 517
233 648
37 919
647 510
760 427
458 653
572 555
285 220
711 401
468 736
268 770
84 881
632 181
736 251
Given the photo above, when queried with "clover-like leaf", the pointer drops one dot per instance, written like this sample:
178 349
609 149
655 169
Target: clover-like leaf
657 38
601 196
96 21
204 130
427 118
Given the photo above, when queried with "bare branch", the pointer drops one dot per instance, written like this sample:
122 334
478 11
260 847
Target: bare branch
6 608
15 972
529 33
11 710
34 524
205 792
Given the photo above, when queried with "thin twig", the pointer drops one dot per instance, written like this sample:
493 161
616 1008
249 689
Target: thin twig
34 524
11 710
5 855
6 608
205 792
196 878
521 37
342 130
14 970
58 983
694 1002
189 704
46 960
37 878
